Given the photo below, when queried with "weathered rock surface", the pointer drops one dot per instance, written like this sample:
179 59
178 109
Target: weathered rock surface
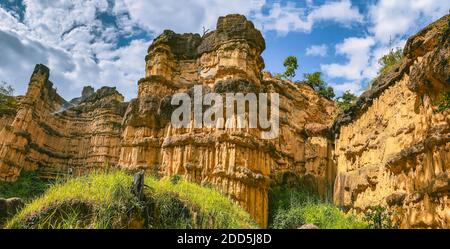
53 136
392 148
236 161
50 135
309 226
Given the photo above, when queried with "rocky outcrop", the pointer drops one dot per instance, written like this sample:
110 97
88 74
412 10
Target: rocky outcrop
392 147
238 162
53 136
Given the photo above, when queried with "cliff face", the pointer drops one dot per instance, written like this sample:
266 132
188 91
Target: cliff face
238 162
52 136
392 147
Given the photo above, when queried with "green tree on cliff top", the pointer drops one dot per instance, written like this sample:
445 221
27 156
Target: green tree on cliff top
346 100
320 86
6 96
290 64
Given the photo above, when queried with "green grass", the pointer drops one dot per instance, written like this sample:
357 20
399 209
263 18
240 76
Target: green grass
104 200
292 208
28 186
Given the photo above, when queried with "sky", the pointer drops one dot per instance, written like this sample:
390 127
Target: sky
104 42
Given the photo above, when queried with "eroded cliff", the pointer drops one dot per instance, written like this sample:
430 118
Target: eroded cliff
54 136
393 147
239 162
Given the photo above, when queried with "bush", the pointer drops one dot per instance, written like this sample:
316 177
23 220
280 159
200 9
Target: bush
28 186
292 208
444 104
346 101
379 217
390 59
104 200
7 101
320 86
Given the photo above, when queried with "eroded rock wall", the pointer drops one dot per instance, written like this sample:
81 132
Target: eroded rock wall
392 147
51 135
239 162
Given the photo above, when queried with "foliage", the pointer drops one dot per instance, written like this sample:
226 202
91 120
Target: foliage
390 59
104 200
346 100
290 64
175 179
444 103
28 186
7 101
315 81
292 208
378 217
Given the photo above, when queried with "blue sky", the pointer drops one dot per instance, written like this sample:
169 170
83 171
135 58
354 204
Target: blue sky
104 42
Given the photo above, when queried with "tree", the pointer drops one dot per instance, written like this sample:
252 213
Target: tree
6 99
327 92
290 65
320 86
390 59
346 100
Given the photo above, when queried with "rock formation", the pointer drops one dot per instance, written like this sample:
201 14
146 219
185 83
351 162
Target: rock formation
54 136
51 136
392 147
236 161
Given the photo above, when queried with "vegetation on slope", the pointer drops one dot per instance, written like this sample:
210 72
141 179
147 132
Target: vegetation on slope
444 104
390 59
346 101
7 101
320 86
27 187
104 200
291 208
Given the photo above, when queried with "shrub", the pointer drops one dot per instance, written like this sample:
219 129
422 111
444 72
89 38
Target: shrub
379 217
175 179
346 100
444 104
7 101
390 59
292 208
27 186
320 86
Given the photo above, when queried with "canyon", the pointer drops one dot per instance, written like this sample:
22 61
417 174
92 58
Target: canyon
391 148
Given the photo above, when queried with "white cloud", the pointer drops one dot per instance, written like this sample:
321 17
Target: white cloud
340 12
354 87
184 16
390 23
81 49
77 46
290 18
69 37
391 19
357 52
317 50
